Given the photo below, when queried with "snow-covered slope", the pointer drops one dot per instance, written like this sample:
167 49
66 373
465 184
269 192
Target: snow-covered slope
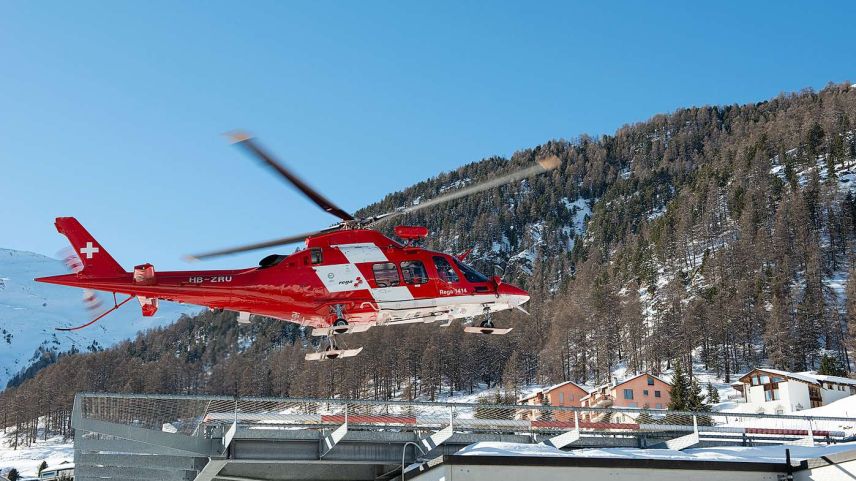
29 312
26 459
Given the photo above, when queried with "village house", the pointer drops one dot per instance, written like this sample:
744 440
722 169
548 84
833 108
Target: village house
644 391
566 394
778 392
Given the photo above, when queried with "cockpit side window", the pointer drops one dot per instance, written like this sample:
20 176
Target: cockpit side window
445 270
413 272
470 274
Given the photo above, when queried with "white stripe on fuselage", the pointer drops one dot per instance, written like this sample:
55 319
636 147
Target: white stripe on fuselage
347 277
341 277
362 252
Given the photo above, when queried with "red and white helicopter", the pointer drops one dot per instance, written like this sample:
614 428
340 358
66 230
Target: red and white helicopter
349 277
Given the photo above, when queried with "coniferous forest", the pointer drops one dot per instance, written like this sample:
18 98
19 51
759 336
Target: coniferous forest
720 235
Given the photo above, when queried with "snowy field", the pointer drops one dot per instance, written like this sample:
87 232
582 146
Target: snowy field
26 459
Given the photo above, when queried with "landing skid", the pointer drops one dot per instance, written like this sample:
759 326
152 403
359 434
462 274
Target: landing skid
495 331
343 329
332 354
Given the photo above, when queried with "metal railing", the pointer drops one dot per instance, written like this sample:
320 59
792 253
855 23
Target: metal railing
192 414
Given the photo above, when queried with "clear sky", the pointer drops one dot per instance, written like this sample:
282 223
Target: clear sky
112 111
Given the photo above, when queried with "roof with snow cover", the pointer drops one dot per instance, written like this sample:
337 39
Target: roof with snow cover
808 377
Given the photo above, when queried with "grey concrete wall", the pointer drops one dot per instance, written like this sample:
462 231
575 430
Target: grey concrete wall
546 473
843 471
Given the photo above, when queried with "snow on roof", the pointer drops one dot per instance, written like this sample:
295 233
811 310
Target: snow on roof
833 379
758 454
809 377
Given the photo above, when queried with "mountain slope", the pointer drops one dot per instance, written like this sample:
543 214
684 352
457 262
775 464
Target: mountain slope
720 236
29 312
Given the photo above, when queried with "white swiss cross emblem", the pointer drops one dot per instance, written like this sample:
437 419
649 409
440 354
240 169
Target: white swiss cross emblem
89 250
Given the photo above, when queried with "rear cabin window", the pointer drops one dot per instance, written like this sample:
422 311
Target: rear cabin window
445 270
315 255
386 274
414 272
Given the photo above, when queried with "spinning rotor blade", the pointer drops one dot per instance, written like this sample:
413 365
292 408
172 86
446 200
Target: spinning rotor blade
250 145
544 165
259 245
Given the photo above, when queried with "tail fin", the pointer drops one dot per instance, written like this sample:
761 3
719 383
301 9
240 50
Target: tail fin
96 261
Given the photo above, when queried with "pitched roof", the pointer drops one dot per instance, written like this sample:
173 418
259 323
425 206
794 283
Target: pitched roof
808 377
624 381
547 389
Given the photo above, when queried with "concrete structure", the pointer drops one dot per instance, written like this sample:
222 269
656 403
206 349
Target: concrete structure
643 391
490 468
567 394
220 438
773 391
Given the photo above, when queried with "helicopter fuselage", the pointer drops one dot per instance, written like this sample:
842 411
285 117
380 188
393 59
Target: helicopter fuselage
358 276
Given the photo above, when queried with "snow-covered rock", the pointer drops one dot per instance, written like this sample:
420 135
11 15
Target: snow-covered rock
29 312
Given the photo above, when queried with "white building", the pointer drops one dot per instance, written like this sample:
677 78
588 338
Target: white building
777 392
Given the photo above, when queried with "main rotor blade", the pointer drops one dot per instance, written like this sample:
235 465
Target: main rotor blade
259 245
543 165
251 146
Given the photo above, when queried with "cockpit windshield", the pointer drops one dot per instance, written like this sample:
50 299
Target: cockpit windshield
470 274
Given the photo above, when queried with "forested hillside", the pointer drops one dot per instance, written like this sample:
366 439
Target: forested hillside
723 235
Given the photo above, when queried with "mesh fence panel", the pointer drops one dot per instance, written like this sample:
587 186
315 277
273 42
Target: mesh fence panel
186 414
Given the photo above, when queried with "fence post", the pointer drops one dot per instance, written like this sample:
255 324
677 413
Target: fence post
810 433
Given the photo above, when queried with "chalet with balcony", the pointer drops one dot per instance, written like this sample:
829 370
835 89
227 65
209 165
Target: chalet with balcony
773 391
643 391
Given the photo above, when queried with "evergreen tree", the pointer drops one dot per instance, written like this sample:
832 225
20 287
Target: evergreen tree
830 366
712 394
680 389
42 467
695 399
546 414
13 475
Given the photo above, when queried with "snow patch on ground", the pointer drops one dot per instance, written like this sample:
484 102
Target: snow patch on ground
29 312
26 459
764 454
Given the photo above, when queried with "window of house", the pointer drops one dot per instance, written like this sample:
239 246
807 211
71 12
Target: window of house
414 272
444 270
386 274
656 393
628 394
644 392
658 406
765 379
771 392
633 405
650 381
778 379
315 255
561 397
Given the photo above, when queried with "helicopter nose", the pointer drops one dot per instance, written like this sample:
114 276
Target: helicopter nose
514 295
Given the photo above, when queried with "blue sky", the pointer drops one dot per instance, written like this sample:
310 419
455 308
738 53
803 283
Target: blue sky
112 111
